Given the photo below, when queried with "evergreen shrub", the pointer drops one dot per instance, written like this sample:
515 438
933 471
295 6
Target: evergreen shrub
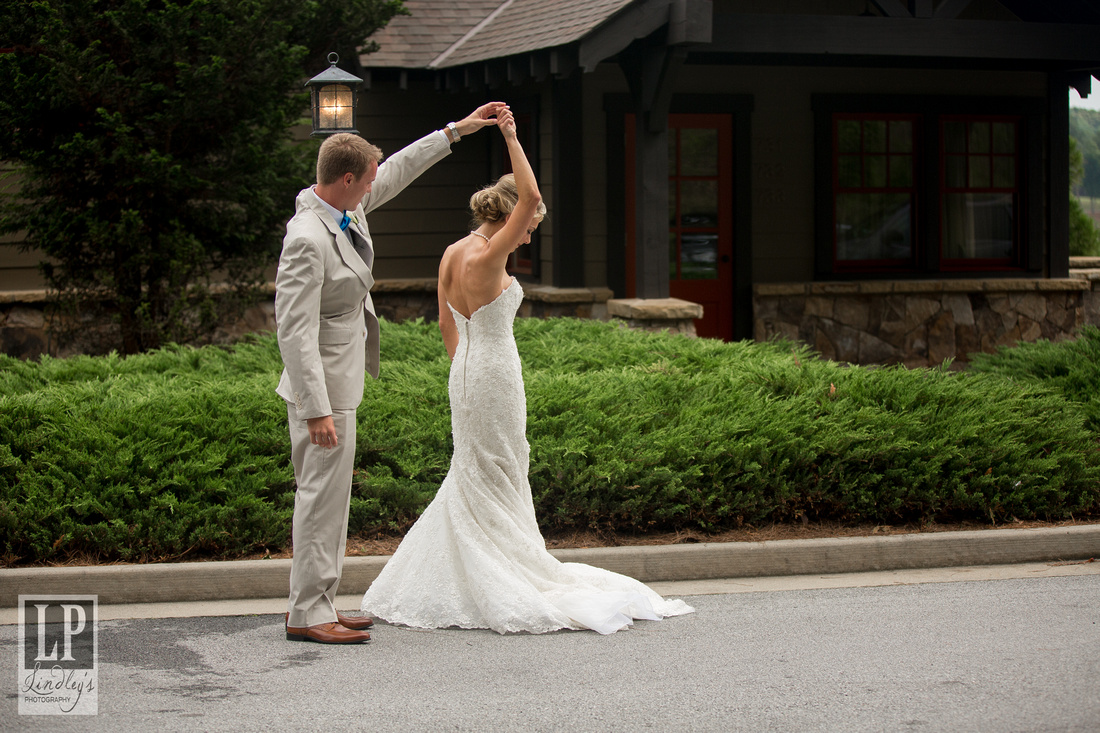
183 452
1071 368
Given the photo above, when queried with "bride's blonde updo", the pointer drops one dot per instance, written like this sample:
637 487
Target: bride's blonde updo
496 201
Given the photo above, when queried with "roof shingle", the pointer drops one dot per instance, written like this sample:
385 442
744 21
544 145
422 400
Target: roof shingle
440 34
413 41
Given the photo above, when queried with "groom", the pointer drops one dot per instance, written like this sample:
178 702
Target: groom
328 337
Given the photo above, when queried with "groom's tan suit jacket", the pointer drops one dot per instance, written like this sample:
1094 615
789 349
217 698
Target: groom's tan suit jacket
325 319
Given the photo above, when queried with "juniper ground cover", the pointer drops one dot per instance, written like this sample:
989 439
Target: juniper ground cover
183 452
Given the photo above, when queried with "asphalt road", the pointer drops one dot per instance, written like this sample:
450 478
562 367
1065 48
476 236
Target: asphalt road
1018 654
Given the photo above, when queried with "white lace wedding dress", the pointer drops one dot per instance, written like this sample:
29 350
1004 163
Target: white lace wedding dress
476 559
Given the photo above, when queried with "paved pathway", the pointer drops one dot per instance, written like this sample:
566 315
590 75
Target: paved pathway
905 654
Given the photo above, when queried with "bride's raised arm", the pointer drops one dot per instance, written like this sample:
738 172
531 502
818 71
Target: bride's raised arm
519 223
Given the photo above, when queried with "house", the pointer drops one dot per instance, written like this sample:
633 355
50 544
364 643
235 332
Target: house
884 180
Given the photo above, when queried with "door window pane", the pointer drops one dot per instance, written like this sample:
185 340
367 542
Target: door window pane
699 203
699 152
698 256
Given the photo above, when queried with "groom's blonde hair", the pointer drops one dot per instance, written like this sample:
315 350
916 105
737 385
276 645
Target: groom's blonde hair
345 153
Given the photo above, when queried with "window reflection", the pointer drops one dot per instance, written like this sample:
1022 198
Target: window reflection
699 152
978 225
873 226
699 203
698 256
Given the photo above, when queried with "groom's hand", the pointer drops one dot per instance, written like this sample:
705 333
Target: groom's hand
483 116
322 431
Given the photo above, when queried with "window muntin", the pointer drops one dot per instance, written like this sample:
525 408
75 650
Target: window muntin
979 210
875 190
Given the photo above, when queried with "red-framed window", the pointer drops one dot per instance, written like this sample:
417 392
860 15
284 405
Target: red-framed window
980 192
876 191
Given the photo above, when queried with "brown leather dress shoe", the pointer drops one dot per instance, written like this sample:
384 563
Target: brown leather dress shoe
330 633
348 622
354 622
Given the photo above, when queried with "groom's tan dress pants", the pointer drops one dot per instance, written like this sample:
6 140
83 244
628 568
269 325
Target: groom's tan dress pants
320 529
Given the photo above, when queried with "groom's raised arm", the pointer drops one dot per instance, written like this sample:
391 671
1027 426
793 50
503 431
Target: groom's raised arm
407 164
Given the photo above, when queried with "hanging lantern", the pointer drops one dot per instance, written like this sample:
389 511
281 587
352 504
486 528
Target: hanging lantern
334 96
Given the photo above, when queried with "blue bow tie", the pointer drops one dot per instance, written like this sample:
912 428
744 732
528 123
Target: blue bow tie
345 221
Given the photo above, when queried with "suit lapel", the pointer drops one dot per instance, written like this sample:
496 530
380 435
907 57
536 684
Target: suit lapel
344 244
361 244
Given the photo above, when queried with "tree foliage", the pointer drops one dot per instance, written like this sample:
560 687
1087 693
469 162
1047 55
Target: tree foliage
1084 130
153 146
1084 235
1084 165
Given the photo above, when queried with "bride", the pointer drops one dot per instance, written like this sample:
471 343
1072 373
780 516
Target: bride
475 558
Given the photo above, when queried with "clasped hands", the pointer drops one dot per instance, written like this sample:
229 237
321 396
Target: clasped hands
484 116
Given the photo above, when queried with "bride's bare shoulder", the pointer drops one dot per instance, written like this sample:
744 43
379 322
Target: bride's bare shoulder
452 254
453 263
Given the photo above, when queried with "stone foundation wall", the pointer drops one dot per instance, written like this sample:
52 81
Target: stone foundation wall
658 314
25 332
28 327
400 300
915 323
923 323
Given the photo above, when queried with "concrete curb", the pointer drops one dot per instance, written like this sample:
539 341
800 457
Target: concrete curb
247 579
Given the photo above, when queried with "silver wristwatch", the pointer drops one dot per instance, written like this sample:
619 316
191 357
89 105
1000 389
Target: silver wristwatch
455 137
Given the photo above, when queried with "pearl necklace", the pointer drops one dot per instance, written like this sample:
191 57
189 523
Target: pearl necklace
479 234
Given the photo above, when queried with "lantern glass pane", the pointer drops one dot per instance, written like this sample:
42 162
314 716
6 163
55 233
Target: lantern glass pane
336 109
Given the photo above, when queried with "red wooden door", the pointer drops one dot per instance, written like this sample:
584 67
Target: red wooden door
700 216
